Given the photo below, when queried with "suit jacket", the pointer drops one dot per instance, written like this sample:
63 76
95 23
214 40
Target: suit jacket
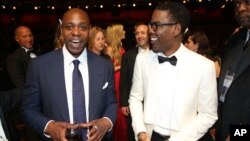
195 102
127 70
45 94
236 107
17 65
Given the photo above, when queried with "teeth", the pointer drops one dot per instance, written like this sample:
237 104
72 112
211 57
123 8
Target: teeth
153 38
75 41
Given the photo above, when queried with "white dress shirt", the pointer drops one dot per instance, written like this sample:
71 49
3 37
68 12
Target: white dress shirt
2 133
83 67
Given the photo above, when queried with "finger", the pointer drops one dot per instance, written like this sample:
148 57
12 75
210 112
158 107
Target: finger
85 125
71 126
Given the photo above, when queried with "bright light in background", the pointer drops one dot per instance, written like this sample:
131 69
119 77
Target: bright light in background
3 6
134 5
69 7
35 7
86 7
150 4
14 7
53 7
101 6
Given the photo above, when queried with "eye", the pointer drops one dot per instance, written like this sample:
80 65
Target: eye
84 27
68 27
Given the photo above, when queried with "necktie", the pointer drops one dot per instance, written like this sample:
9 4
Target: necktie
246 44
79 113
172 60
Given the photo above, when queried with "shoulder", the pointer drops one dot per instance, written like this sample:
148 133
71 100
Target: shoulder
131 52
52 56
16 53
94 58
195 59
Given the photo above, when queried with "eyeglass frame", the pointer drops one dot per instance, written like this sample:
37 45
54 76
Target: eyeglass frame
155 25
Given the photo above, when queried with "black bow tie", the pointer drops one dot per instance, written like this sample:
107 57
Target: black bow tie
172 60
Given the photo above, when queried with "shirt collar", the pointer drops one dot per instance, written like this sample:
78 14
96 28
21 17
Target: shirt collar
140 49
26 49
68 58
177 54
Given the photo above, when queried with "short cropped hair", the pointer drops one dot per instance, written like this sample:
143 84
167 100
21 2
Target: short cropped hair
177 12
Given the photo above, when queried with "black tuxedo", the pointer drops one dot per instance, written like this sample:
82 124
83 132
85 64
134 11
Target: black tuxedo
236 107
127 70
17 65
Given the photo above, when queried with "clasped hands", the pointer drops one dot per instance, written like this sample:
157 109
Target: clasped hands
97 129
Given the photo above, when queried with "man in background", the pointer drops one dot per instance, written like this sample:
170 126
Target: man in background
127 69
233 89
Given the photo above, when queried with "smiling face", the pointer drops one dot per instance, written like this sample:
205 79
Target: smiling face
141 36
75 31
164 37
24 37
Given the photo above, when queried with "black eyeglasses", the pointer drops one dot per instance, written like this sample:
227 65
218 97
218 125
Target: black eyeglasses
155 25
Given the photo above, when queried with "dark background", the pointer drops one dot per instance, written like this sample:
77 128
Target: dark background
214 17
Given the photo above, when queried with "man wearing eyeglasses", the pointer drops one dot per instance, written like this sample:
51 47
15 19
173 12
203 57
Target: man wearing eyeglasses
173 96
233 86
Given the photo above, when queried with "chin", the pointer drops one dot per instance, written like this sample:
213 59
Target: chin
156 51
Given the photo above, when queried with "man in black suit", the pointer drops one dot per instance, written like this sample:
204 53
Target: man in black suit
233 87
17 65
17 62
127 69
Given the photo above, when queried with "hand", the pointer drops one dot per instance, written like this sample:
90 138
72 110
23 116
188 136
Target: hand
125 110
228 138
98 128
57 130
142 136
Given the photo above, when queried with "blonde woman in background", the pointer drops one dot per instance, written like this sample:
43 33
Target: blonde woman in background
114 35
96 43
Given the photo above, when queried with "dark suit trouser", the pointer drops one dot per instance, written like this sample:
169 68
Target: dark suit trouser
131 135
218 134
157 137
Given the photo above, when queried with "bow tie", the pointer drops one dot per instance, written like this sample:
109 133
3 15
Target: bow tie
172 60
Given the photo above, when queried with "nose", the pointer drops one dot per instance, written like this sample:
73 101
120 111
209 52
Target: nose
76 31
29 38
150 30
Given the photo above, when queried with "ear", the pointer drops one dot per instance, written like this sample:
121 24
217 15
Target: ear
177 29
16 38
197 44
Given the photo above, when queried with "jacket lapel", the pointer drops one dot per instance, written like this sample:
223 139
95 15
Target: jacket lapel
59 90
